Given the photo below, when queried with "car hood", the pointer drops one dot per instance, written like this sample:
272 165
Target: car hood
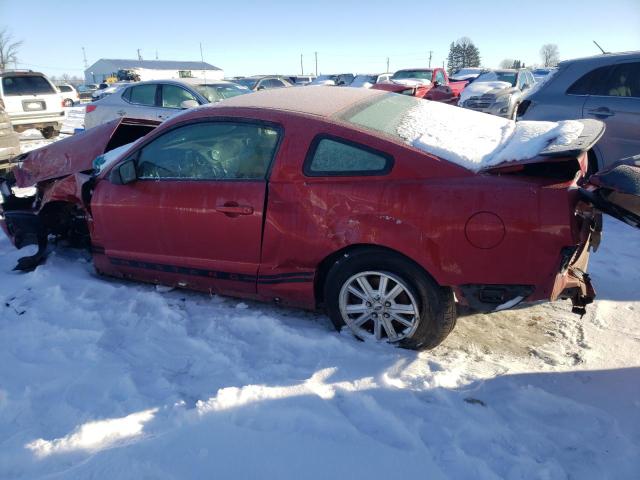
476 89
64 157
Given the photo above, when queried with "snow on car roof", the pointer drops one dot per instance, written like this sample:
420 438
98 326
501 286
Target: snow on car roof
322 101
477 140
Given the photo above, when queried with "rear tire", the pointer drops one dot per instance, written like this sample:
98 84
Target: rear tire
419 316
49 132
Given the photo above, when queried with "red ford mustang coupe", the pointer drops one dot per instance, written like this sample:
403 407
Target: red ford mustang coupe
384 209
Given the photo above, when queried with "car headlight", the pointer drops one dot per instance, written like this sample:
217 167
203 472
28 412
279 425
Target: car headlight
501 102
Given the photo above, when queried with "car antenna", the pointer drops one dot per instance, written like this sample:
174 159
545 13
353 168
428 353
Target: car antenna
601 49
204 71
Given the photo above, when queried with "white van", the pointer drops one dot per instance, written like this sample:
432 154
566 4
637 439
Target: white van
32 101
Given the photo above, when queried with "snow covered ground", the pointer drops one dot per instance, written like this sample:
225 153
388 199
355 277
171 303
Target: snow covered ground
104 378
101 378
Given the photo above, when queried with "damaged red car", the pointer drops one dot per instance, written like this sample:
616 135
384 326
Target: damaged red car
383 209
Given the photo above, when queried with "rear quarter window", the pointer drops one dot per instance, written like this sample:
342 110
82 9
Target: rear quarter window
330 156
26 85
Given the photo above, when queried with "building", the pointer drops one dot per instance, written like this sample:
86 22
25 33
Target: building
151 69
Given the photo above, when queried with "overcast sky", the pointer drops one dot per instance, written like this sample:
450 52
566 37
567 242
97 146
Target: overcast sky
267 36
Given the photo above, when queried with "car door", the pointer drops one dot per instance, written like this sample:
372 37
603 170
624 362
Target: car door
172 97
440 92
138 101
616 101
192 214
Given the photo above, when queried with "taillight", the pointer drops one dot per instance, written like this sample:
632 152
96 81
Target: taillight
62 103
90 108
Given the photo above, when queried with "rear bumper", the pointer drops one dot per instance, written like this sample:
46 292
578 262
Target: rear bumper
23 121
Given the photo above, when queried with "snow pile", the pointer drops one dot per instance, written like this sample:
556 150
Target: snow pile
476 140
475 89
102 378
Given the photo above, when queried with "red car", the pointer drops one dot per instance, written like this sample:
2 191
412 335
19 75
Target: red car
428 83
308 197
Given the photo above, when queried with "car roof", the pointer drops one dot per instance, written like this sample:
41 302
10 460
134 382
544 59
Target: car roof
604 56
20 73
319 101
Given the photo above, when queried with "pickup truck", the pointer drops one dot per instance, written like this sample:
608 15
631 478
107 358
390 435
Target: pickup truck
427 83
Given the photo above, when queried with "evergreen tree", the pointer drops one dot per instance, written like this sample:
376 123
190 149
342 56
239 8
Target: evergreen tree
462 53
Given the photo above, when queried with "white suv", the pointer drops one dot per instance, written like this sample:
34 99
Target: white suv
32 101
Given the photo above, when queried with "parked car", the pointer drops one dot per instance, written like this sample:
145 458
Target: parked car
335 80
105 89
32 101
332 197
498 92
468 73
159 100
85 92
369 80
300 80
69 94
605 87
9 140
428 83
263 82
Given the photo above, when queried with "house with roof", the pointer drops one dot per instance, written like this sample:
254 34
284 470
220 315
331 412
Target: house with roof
151 69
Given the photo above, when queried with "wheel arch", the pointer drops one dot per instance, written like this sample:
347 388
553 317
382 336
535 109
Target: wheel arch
325 265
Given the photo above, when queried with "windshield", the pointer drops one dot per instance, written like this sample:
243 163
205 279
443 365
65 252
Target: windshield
417 74
247 82
509 77
362 80
26 85
220 91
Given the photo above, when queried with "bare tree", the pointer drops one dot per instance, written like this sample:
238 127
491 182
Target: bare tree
8 49
550 54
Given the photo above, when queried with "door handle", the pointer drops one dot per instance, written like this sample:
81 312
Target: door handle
121 113
601 112
232 209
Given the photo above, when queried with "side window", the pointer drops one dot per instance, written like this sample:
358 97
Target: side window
624 81
440 77
332 157
173 96
589 83
143 94
275 83
209 151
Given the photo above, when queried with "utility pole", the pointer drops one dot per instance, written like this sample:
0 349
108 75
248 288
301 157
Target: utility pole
316 54
301 66
387 70
84 56
139 56
156 54
430 54
204 72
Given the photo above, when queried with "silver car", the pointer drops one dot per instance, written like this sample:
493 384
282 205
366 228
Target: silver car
605 87
497 92
158 99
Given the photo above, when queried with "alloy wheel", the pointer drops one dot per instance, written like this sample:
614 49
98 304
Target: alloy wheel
379 304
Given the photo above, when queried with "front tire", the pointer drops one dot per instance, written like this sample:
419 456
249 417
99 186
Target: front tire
383 295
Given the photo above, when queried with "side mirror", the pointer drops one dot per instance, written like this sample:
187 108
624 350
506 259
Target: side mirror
124 173
188 104
525 86
261 87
